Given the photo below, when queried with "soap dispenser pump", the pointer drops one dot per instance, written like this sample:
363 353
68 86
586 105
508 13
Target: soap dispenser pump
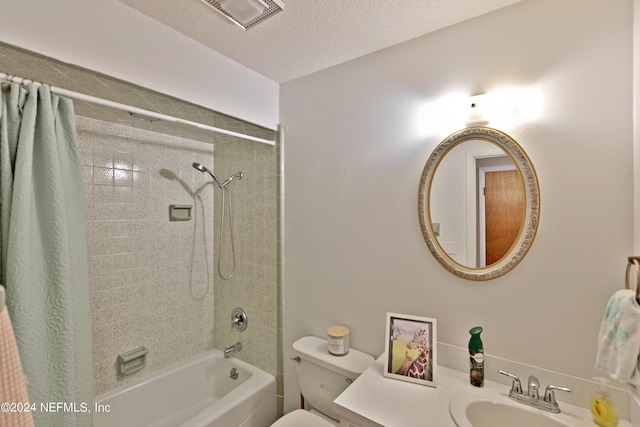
476 357
604 414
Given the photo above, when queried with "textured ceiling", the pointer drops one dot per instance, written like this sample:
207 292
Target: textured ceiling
311 35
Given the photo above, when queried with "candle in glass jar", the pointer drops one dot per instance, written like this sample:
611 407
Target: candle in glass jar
338 340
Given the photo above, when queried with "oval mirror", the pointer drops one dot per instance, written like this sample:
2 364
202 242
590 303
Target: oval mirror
478 203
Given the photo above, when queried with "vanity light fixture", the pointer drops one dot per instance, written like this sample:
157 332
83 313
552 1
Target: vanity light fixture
497 106
502 108
477 110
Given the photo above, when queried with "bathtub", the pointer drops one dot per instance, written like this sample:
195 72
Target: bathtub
197 392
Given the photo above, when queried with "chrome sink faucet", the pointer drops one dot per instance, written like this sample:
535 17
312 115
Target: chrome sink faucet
532 398
532 387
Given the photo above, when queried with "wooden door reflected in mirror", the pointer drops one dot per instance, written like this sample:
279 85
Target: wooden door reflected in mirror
503 213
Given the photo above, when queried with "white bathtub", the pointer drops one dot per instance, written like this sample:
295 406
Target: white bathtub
197 392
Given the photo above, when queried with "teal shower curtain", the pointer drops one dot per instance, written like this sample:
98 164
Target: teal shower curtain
43 252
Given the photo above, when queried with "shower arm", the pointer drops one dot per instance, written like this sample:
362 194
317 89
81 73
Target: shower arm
221 185
228 180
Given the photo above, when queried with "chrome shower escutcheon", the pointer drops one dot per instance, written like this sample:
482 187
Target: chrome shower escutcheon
239 320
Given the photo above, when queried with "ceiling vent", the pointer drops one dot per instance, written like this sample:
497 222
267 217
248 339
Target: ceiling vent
246 13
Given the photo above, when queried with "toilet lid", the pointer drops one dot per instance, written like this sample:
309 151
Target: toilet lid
300 417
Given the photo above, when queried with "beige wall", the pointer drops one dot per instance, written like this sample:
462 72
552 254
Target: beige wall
354 157
636 119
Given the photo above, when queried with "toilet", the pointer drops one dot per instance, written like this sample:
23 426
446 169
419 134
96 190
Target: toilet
322 377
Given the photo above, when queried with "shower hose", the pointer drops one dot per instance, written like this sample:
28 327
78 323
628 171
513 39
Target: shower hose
233 248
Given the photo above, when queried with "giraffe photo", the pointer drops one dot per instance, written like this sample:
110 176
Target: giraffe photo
411 349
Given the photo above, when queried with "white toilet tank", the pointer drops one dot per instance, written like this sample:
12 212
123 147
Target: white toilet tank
323 376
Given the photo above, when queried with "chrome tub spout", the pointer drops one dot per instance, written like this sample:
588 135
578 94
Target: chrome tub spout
228 351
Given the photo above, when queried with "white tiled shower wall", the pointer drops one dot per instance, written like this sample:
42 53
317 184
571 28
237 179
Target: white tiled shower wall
151 278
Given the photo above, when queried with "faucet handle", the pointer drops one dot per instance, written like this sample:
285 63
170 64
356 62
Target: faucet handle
550 396
238 319
516 387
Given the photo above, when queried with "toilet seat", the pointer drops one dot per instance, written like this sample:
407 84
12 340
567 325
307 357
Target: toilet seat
301 417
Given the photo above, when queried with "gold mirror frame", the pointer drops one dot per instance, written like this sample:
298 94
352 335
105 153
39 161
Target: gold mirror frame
532 203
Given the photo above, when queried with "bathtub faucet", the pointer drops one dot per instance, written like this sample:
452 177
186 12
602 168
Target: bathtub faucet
228 351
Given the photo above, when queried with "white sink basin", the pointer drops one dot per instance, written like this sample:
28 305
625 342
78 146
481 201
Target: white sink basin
485 407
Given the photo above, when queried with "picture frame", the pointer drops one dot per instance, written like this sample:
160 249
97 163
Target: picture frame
410 349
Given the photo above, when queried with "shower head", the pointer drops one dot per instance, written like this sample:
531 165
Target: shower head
222 185
199 167
202 168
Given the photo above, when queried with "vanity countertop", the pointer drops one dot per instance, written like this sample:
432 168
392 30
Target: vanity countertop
374 400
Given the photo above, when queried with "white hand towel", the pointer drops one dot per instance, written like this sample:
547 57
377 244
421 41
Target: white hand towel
619 341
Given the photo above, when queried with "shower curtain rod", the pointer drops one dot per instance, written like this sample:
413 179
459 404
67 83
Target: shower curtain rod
146 114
